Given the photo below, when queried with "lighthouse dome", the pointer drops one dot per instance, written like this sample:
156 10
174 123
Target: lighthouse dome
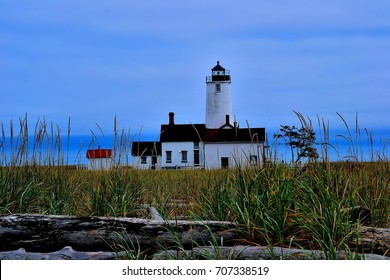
218 67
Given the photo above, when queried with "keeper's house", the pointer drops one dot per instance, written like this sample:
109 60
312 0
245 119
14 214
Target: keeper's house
99 159
218 143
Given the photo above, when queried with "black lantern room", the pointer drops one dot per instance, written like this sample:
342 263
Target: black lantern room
218 73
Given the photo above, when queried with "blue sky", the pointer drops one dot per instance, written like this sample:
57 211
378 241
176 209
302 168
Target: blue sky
139 60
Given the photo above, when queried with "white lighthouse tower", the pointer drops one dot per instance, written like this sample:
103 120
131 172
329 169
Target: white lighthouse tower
218 98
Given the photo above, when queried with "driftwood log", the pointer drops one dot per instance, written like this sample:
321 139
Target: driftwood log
241 252
43 233
238 252
66 253
373 240
64 237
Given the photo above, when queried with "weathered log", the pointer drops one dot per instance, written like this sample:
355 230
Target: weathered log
43 233
240 252
373 240
155 215
66 253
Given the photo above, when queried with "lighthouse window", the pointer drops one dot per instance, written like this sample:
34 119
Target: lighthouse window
217 87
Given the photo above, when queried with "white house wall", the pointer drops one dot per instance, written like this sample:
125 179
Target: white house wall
177 148
137 162
99 163
238 154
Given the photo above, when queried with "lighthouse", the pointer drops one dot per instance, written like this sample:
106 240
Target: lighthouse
218 98
210 145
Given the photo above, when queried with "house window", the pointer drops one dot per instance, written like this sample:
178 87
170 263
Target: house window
253 159
143 160
196 145
169 156
217 87
184 156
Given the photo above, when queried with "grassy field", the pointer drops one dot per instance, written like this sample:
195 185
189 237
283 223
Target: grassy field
273 205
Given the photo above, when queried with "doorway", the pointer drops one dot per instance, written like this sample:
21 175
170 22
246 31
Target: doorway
224 162
154 162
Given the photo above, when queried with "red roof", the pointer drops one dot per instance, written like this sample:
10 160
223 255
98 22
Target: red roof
99 153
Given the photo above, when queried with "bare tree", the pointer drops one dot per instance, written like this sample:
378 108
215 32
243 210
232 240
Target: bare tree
300 140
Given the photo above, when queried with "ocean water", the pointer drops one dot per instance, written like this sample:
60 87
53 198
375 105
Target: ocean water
72 150
63 150
343 151
344 145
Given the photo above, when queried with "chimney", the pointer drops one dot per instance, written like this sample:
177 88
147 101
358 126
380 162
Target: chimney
227 119
171 118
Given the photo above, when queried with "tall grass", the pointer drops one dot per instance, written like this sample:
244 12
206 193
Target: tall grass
274 205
